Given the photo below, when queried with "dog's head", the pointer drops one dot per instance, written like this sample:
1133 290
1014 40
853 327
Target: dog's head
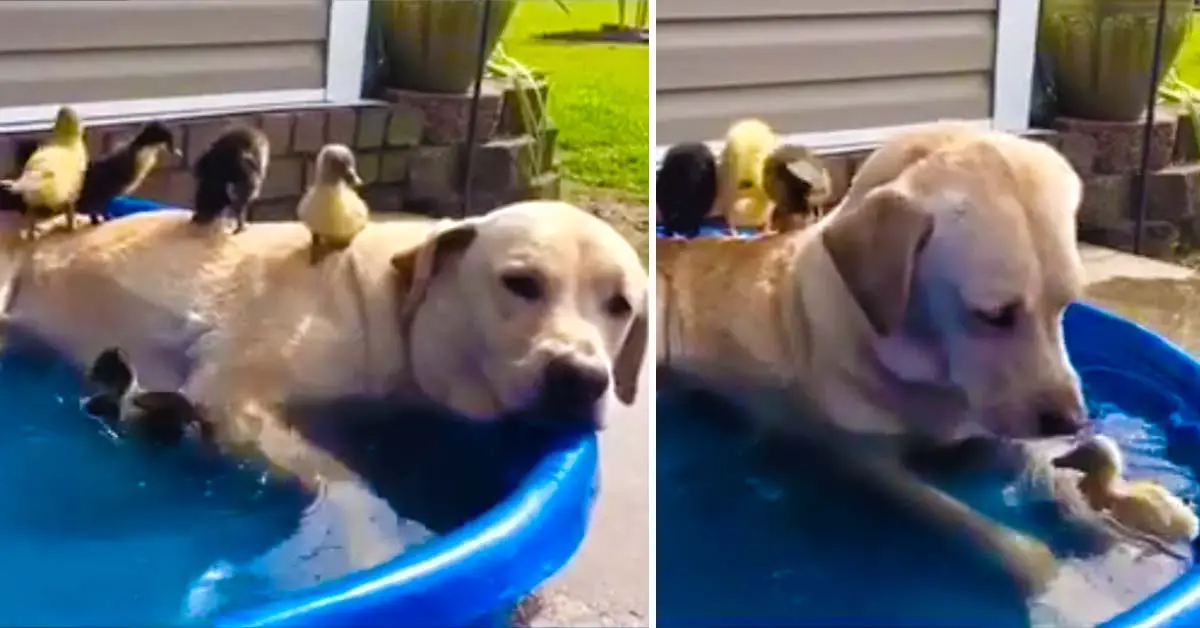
963 263
535 306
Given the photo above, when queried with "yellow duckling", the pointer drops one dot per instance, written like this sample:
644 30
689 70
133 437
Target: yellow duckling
331 209
52 178
744 201
1141 506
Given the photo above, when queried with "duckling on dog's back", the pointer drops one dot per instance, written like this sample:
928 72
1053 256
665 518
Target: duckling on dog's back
52 178
745 203
331 209
123 169
229 176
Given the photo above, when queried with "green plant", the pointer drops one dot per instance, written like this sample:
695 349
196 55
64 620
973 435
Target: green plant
531 105
1177 91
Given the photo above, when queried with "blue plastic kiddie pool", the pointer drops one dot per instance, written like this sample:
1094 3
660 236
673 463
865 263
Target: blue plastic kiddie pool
1143 374
469 577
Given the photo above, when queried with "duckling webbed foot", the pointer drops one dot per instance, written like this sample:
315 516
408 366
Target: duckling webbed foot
317 250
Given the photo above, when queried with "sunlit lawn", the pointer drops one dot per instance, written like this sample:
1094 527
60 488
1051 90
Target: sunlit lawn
599 93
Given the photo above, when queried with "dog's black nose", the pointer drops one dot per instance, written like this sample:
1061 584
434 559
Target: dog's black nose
1061 412
1061 422
570 383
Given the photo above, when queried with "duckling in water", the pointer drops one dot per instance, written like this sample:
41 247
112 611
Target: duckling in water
52 178
743 200
229 176
686 188
797 183
161 418
1143 509
331 209
123 169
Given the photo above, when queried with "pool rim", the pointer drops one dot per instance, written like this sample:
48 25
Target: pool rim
501 556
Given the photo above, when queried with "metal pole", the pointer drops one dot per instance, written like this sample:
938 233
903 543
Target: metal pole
472 122
1148 128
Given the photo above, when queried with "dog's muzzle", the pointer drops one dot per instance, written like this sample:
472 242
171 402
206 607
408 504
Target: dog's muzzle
572 390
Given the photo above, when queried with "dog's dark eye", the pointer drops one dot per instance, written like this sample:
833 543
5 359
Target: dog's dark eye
1004 317
745 184
523 285
618 306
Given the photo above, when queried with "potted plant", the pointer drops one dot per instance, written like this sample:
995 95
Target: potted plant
432 46
1101 53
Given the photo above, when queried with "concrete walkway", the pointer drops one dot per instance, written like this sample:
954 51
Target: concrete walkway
1101 264
608 581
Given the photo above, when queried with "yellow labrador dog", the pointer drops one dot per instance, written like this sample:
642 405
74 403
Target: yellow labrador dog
923 312
928 304
536 304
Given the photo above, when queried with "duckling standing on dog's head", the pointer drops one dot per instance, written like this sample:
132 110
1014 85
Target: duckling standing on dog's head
52 178
1144 509
744 201
686 188
229 176
163 418
331 209
123 169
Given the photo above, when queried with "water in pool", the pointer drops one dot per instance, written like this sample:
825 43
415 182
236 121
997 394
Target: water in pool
752 544
96 531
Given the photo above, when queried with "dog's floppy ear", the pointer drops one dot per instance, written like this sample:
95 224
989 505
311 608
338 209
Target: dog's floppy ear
632 355
874 246
417 267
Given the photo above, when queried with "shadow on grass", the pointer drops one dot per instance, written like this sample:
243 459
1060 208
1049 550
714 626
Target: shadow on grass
606 34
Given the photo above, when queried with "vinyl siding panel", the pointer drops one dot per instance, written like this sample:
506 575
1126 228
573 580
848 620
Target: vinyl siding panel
96 50
820 65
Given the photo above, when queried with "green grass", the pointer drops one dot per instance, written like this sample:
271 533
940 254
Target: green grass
599 93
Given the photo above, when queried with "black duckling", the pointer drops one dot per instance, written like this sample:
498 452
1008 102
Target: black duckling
229 176
161 418
686 188
124 168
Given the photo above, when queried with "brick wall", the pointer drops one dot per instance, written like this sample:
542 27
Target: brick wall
410 152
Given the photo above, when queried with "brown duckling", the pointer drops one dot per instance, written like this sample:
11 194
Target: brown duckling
229 176
797 183
124 168
163 418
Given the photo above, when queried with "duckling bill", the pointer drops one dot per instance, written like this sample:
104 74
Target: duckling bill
123 169
229 176
331 209
161 418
